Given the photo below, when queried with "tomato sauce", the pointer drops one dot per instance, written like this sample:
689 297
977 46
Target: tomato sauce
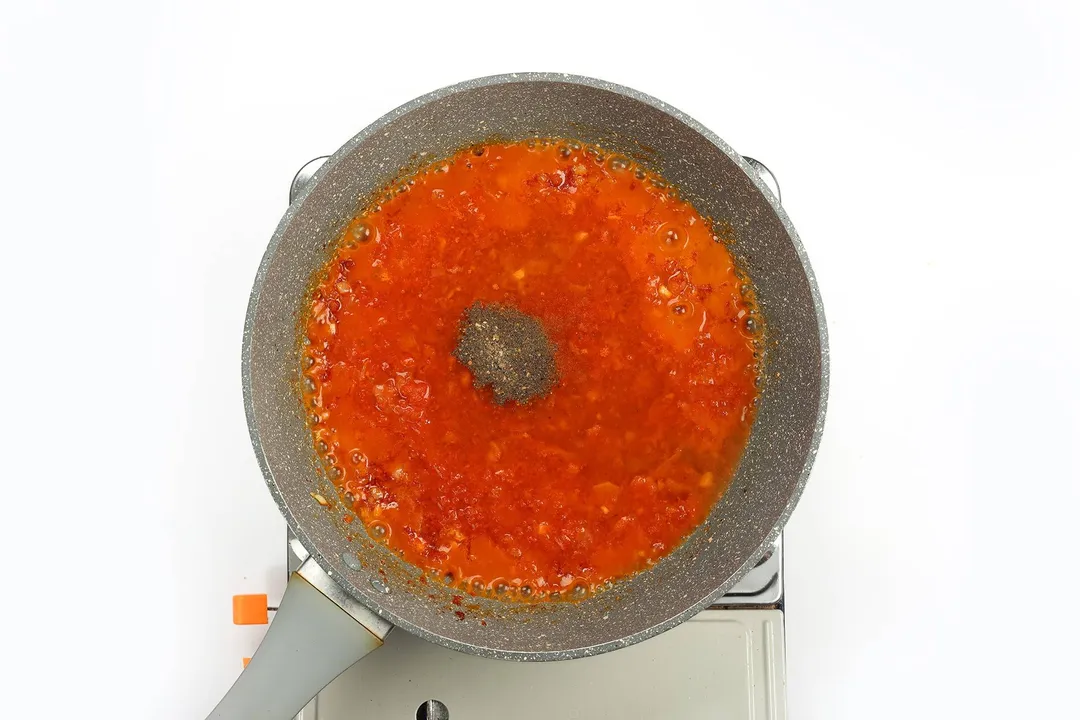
655 333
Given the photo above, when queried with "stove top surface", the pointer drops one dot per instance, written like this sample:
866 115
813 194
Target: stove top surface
720 664
727 662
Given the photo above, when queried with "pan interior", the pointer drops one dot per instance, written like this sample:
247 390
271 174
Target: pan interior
708 174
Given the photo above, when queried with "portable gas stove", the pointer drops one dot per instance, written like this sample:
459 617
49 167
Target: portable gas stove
727 662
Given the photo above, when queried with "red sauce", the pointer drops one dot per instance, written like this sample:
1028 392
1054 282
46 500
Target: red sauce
625 456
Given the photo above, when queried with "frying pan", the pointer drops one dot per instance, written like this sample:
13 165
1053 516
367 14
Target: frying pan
351 591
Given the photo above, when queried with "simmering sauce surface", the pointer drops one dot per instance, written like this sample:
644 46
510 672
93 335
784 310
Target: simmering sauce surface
654 332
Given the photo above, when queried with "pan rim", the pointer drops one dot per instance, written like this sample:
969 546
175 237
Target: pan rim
298 528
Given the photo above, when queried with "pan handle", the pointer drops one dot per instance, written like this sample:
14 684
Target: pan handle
317 634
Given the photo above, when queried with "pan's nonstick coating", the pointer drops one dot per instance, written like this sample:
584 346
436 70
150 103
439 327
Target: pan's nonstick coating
721 185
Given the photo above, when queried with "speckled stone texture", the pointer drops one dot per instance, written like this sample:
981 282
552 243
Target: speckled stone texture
709 174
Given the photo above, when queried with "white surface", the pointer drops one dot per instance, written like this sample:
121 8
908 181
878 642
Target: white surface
927 152
660 679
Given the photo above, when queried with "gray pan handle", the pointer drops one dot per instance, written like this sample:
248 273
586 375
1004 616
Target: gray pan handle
317 634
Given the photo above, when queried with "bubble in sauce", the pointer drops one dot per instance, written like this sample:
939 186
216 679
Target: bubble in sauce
618 163
672 237
362 232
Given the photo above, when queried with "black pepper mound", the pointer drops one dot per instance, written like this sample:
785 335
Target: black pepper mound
508 351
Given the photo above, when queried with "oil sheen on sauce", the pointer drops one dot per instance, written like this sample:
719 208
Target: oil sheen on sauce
655 333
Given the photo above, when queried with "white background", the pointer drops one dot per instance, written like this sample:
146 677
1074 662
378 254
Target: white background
927 153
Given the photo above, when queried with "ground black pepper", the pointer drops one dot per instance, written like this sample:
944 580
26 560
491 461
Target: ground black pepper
507 350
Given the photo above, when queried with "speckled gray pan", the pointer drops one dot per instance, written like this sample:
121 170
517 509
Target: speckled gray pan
708 173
